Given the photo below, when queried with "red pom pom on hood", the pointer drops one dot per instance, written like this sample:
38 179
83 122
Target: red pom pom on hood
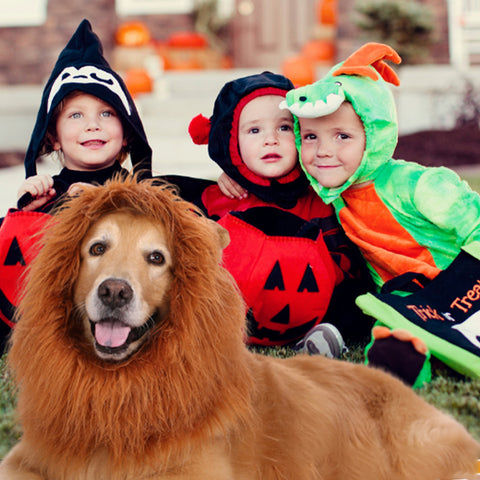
199 129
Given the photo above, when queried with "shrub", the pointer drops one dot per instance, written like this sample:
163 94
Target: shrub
406 26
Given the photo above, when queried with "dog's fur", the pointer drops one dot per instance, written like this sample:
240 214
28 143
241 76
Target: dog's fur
185 399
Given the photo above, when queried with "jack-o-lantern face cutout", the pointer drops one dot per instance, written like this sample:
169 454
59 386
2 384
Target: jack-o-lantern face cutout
17 249
286 281
275 280
14 254
13 263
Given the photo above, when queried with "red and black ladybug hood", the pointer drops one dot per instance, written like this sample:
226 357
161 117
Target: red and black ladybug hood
220 131
81 66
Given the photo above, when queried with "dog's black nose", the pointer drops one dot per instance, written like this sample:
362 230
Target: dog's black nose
115 293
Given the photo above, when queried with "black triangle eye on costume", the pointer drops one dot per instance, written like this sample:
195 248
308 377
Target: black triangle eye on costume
14 254
275 280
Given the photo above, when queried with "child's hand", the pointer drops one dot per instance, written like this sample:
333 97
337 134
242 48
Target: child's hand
400 353
77 188
40 187
380 332
230 188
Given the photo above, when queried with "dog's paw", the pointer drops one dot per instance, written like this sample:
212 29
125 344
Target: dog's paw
401 354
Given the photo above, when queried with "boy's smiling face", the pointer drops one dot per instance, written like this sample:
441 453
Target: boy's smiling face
89 132
332 146
265 137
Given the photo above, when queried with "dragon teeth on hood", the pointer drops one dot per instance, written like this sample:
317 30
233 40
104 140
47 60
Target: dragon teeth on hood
319 109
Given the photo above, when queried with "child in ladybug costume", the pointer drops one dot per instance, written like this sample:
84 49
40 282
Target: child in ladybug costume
287 253
81 78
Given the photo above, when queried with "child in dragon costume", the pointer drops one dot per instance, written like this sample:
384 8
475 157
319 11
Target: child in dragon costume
410 222
293 264
81 75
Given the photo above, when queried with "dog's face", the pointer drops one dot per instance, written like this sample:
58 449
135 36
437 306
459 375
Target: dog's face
123 283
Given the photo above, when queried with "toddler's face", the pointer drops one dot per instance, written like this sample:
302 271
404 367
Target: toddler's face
89 133
332 146
265 137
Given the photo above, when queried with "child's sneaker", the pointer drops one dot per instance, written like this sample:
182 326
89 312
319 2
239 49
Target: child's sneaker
323 339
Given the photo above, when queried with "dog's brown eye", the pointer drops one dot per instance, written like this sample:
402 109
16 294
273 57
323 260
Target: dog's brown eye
157 258
97 249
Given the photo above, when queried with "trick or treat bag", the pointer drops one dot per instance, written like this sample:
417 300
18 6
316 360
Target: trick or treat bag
444 312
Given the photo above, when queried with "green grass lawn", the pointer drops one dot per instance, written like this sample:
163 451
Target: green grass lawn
9 429
458 396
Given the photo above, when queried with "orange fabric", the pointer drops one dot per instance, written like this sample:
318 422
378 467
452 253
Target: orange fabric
385 244
371 54
379 332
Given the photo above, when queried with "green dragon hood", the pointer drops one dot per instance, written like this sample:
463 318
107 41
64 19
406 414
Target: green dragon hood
363 80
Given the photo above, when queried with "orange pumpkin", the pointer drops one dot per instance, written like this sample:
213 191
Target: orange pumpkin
133 34
187 40
327 12
300 70
188 63
319 50
138 81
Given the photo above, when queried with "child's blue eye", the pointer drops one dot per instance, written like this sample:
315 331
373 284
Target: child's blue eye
106 114
76 115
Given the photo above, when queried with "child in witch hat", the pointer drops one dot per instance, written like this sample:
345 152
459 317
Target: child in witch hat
89 119
286 252
405 218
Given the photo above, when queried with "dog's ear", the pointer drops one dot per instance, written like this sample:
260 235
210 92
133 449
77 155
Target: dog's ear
222 234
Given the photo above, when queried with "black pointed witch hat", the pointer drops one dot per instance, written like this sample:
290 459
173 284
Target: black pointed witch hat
82 66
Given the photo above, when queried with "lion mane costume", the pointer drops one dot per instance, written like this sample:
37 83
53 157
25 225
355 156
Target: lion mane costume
194 402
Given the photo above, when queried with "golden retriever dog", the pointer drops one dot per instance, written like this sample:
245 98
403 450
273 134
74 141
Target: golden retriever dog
130 364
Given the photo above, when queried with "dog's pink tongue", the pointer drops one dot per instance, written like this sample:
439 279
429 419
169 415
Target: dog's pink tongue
111 333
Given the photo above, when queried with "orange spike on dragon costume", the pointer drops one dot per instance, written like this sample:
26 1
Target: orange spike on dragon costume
371 54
